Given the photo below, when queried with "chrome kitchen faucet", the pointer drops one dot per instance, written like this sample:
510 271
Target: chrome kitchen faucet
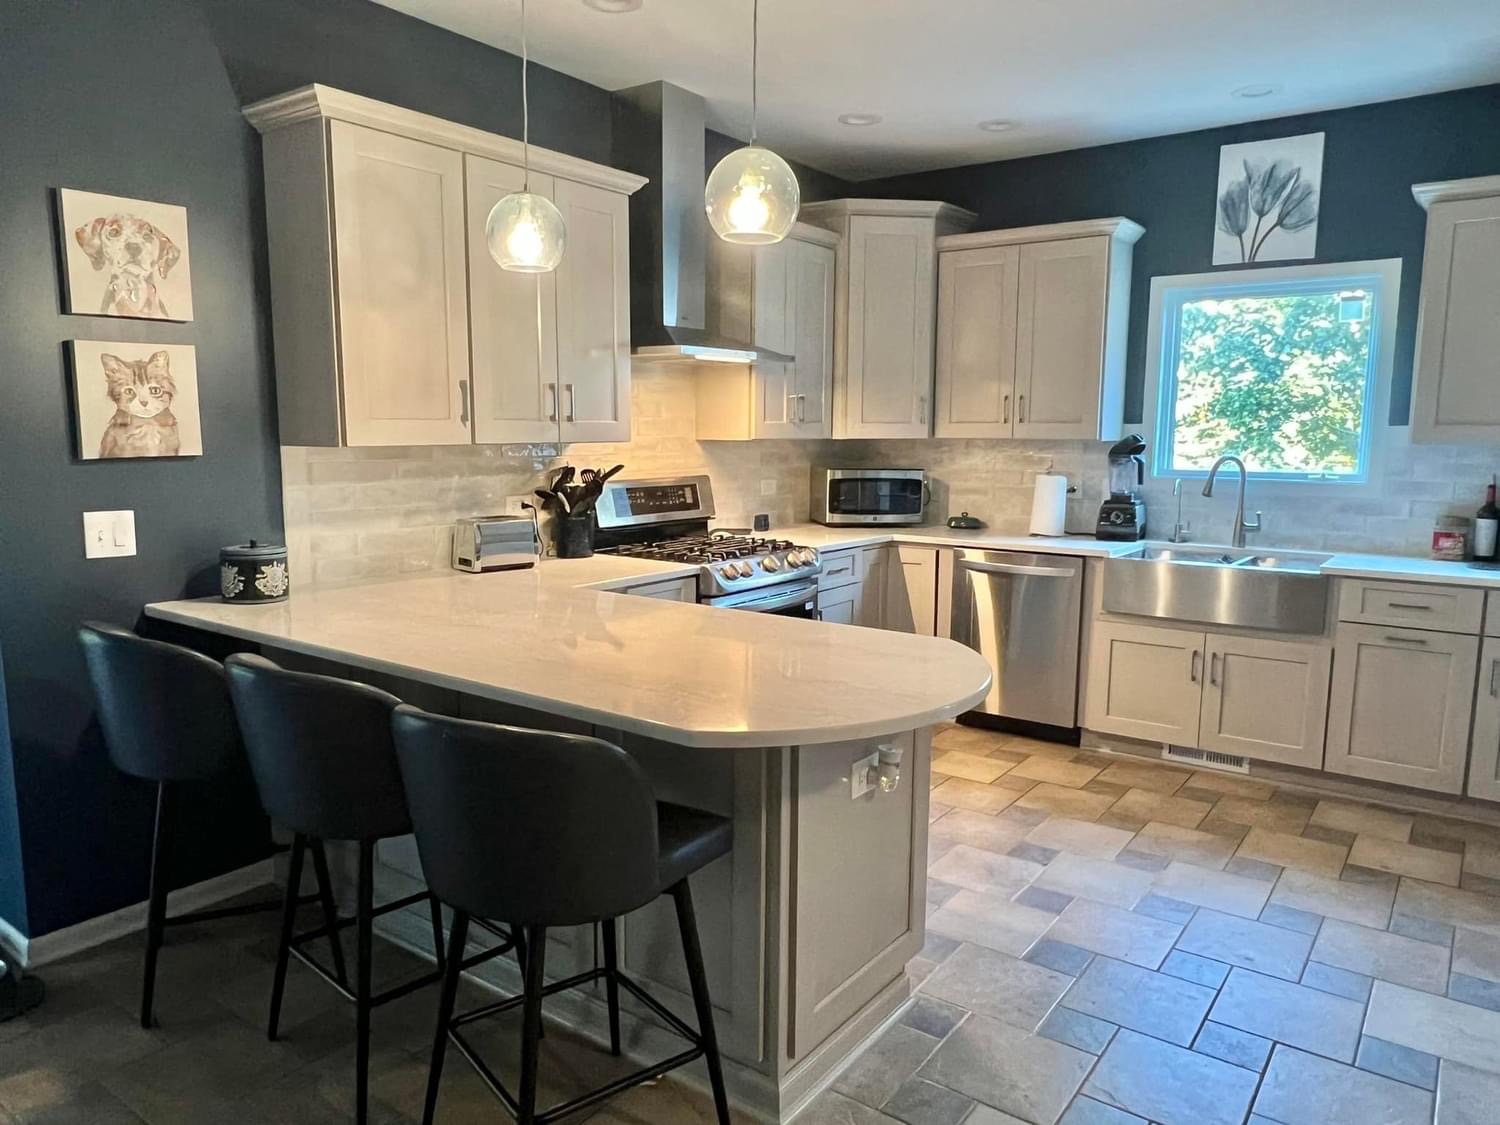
1240 524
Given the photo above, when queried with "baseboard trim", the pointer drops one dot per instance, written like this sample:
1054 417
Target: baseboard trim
96 931
14 943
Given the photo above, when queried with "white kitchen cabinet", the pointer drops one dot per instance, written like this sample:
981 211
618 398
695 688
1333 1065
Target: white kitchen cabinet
1484 746
1145 682
852 585
392 326
402 296
1400 705
841 605
780 297
1458 335
1265 699
884 312
668 590
875 571
1032 326
911 581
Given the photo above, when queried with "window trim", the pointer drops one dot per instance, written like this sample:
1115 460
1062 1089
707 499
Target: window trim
1168 292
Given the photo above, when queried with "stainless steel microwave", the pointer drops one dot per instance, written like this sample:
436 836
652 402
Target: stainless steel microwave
868 497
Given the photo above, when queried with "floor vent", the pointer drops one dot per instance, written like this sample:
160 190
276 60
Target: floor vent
1207 759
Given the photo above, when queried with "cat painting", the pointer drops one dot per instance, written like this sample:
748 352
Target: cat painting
142 391
136 400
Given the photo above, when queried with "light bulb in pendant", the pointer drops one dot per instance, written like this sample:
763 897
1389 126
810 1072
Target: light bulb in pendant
752 196
526 234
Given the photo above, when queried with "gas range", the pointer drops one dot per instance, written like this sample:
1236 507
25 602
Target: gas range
667 520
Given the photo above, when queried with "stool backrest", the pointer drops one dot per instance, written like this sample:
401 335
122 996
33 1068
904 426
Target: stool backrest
320 749
164 709
527 826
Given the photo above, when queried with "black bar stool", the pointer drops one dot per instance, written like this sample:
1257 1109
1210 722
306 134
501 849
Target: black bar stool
167 719
321 752
545 830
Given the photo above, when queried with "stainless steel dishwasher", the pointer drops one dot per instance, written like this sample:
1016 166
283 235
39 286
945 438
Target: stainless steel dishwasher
1022 612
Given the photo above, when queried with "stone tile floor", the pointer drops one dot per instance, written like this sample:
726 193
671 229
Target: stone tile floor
1110 942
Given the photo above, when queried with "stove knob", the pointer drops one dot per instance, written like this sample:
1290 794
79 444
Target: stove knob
808 557
771 563
729 571
746 569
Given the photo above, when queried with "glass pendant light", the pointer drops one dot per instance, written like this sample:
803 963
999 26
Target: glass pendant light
752 194
525 232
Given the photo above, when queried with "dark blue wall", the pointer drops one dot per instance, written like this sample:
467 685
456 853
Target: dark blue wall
1372 156
12 880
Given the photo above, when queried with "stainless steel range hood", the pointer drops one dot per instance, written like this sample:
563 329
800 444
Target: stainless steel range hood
658 133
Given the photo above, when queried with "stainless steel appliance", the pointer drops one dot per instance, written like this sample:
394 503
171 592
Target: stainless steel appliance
667 520
1123 515
868 497
495 543
1022 613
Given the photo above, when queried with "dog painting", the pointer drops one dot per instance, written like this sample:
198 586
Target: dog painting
136 400
125 257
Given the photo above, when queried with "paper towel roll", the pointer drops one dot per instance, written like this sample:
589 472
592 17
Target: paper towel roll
1049 504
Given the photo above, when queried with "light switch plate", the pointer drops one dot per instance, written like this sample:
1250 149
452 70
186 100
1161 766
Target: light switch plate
108 535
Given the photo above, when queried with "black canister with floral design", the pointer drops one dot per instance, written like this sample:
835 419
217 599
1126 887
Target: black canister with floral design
253 572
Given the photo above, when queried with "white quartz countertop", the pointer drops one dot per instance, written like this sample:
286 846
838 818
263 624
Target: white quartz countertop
555 639
1398 569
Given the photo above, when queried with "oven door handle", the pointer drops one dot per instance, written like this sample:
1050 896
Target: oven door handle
779 599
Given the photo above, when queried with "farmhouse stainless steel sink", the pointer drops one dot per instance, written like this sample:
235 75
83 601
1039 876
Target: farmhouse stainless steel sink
1278 591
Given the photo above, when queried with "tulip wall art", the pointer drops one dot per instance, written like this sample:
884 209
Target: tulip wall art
1268 200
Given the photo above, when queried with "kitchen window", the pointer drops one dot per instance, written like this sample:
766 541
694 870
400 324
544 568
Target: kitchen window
1288 367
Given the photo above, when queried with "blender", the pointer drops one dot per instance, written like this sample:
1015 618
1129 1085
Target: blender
1123 515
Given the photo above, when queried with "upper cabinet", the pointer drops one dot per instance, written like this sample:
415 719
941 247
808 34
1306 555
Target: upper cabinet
884 311
1031 331
1458 334
392 324
778 296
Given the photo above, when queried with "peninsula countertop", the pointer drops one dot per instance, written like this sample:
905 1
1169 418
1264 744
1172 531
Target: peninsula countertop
555 638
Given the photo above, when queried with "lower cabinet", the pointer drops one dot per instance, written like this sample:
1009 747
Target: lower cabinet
852 586
1484 753
911 590
1401 704
1253 696
670 590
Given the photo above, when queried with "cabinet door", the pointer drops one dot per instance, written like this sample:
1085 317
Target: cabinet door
513 333
593 314
1459 335
889 325
976 341
403 298
1484 748
875 567
911 590
1266 699
1400 705
1064 289
774 326
840 605
1145 682
810 336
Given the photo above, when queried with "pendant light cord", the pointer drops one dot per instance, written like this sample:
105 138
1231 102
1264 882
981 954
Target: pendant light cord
525 109
754 67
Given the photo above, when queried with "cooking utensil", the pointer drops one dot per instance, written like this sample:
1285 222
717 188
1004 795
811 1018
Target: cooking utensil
564 476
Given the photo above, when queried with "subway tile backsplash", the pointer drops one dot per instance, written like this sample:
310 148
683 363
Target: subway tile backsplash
353 513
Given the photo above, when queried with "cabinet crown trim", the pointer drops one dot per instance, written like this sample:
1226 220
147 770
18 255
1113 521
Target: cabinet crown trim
899 208
309 103
1447 191
1123 230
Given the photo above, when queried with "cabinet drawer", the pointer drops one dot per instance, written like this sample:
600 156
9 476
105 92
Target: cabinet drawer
841 568
672 590
1447 609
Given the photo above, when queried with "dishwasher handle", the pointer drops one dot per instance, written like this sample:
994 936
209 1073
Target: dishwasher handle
1019 569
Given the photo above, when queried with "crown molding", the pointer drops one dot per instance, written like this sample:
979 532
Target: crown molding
1123 230
1447 191
837 210
319 102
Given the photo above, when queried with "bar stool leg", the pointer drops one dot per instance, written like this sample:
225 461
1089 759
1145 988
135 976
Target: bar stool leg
288 924
363 923
156 910
330 910
692 953
457 937
531 1025
437 932
612 984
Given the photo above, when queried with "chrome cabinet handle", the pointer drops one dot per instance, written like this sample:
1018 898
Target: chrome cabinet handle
463 395
922 409
1213 669
1020 408
1194 664
572 401
1005 408
552 397
1494 673
1408 605
1395 639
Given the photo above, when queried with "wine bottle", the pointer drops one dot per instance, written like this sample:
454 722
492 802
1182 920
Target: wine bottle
1486 525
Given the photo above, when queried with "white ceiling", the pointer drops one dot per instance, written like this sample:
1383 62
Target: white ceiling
1072 72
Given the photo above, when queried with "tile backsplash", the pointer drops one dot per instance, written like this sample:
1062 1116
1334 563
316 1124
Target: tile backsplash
353 513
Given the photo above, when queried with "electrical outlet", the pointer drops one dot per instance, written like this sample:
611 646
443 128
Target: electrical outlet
859 775
513 505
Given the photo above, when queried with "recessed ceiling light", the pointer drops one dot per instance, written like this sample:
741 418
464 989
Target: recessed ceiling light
998 125
860 119
613 6
1258 90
